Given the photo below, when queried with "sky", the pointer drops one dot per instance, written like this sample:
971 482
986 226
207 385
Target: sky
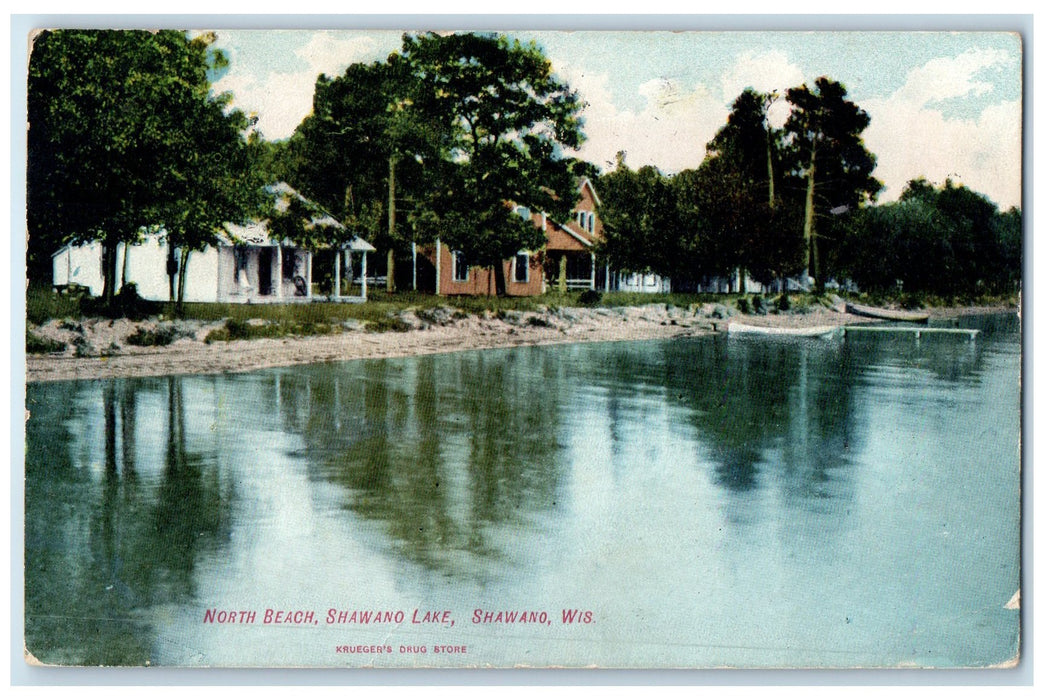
942 104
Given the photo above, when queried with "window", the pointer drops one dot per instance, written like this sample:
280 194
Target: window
578 267
586 220
522 267
460 267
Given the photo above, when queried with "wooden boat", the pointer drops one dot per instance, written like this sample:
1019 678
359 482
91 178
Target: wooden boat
887 314
735 327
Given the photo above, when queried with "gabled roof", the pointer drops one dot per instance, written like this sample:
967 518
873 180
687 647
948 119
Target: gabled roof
257 232
576 235
590 185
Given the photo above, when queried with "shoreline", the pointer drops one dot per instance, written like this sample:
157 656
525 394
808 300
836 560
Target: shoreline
191 355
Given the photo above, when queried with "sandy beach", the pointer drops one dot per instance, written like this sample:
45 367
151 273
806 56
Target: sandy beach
110 355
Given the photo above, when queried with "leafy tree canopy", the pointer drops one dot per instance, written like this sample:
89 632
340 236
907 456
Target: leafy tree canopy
948 241
509 119
124 132
826 155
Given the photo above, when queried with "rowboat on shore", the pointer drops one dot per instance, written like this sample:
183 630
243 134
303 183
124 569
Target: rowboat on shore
737 328
887 314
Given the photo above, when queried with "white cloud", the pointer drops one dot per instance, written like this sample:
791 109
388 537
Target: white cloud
913 140
673 127
327 53
282 99
909 134
945 78
766 72
670 132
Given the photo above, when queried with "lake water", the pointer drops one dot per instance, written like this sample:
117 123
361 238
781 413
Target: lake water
702 502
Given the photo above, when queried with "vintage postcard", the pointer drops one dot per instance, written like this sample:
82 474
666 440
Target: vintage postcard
508 349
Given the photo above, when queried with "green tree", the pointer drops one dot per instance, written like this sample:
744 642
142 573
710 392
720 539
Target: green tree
748 145
639 219
742 220
361 151
949 241
125 133
827 156
736 227
509 119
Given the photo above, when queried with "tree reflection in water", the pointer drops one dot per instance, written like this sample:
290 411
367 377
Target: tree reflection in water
107 538
457 463
770 410
449 453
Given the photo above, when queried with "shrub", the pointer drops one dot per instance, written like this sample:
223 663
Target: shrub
758 303
911 300
38 345
743 304
162 335
783 302
238 329
84 348
67 325
388 323
590 297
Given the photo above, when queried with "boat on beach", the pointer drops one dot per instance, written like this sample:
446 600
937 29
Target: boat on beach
887 314
737 328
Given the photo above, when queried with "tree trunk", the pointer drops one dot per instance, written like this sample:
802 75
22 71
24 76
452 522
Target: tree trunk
390 282
810 232
771 174
172 269
109 271
181 280
500 280
562 287
126 258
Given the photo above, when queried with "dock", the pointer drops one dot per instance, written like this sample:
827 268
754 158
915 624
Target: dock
968 333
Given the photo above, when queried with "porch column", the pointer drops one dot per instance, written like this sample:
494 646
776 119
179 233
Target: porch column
337 275
592 271
309 269
364 276
279 271
607 277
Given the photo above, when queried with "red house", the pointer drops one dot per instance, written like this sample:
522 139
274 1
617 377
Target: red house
567 261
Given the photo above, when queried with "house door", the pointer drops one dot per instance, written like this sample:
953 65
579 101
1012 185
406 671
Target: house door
264 272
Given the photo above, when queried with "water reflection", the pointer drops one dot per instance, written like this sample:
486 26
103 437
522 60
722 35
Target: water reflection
777 409
446 452
695 471
108 535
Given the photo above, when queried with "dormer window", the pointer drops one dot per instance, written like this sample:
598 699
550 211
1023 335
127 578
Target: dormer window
586 220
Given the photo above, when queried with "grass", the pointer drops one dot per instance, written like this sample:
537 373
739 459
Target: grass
240 329
381 311
43 304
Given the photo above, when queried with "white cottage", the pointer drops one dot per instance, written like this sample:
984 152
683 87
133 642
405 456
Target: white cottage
247 266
